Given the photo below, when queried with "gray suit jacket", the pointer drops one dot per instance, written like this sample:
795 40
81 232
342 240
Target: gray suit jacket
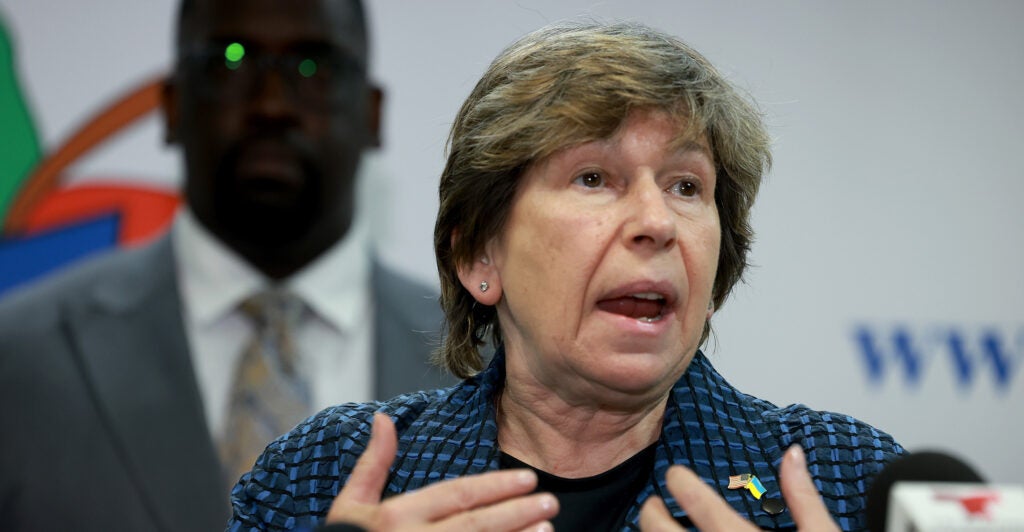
101 422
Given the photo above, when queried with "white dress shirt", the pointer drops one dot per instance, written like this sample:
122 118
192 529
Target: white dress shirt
335 337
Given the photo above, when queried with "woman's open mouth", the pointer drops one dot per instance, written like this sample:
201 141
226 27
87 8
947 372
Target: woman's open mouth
648 307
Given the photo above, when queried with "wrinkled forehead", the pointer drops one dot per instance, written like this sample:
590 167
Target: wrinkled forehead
689 132
277 23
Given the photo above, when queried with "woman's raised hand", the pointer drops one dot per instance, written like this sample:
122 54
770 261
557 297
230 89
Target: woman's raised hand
710 512
498 500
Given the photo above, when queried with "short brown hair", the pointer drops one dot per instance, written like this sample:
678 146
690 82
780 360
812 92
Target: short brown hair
562 86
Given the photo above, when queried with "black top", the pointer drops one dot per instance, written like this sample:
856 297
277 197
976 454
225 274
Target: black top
594 503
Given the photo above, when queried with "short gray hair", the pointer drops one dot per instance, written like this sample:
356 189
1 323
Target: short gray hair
565 85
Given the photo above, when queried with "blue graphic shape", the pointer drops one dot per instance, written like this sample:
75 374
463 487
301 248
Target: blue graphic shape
992 351
1004 364
968 353
25 259
902 350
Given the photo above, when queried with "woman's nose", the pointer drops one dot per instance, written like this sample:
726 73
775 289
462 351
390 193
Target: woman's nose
651 221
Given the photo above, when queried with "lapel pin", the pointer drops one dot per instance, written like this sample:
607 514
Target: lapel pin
755 487
739 481
771 505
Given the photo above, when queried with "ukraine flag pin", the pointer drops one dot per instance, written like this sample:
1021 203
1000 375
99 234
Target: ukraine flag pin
755 487
771 505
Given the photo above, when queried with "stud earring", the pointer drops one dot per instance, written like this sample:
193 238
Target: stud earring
485 260
484 286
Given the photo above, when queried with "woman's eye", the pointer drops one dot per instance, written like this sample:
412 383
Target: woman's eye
685 188
590 180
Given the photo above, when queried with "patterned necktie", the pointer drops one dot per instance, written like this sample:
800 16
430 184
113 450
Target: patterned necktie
269 395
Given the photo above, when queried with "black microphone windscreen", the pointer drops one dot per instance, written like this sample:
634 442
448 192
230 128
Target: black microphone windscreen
921 466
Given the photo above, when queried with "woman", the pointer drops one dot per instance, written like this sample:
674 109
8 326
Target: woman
594 212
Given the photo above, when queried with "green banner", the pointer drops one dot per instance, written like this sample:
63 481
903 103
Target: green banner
19 147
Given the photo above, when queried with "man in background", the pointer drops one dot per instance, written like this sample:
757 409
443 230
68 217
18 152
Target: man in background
135 388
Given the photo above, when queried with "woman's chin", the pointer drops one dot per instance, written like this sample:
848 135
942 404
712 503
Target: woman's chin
638 374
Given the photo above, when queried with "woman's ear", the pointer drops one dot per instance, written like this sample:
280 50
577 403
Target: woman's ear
480 278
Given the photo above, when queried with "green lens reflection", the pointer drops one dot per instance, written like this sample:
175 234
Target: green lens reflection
307 68
233 55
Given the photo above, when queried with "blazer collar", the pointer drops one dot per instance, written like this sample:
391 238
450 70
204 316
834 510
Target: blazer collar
716 431
130 342
709 427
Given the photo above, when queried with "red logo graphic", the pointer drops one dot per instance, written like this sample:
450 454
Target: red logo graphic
975 504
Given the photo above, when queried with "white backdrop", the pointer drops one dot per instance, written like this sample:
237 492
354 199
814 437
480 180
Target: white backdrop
892 213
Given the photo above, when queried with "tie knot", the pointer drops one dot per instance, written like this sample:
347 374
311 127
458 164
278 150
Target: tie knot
273 307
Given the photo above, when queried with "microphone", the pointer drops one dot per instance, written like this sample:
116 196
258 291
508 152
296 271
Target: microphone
931 490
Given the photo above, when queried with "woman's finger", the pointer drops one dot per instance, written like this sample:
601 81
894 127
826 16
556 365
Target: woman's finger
705 507
444 499
809 511
360 499
655 517
546 526
509 515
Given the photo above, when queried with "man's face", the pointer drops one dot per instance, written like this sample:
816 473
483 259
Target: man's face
271 104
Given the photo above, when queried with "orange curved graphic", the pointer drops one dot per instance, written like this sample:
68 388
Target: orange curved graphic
46 178
144 211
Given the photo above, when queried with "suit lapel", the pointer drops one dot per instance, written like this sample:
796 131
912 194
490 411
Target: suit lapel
133 351
385 345
406 321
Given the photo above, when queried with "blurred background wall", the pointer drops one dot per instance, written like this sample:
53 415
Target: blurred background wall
888 274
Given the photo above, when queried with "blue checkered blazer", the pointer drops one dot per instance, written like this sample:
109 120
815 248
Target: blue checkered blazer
709 427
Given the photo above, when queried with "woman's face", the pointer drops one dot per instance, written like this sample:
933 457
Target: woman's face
606 264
